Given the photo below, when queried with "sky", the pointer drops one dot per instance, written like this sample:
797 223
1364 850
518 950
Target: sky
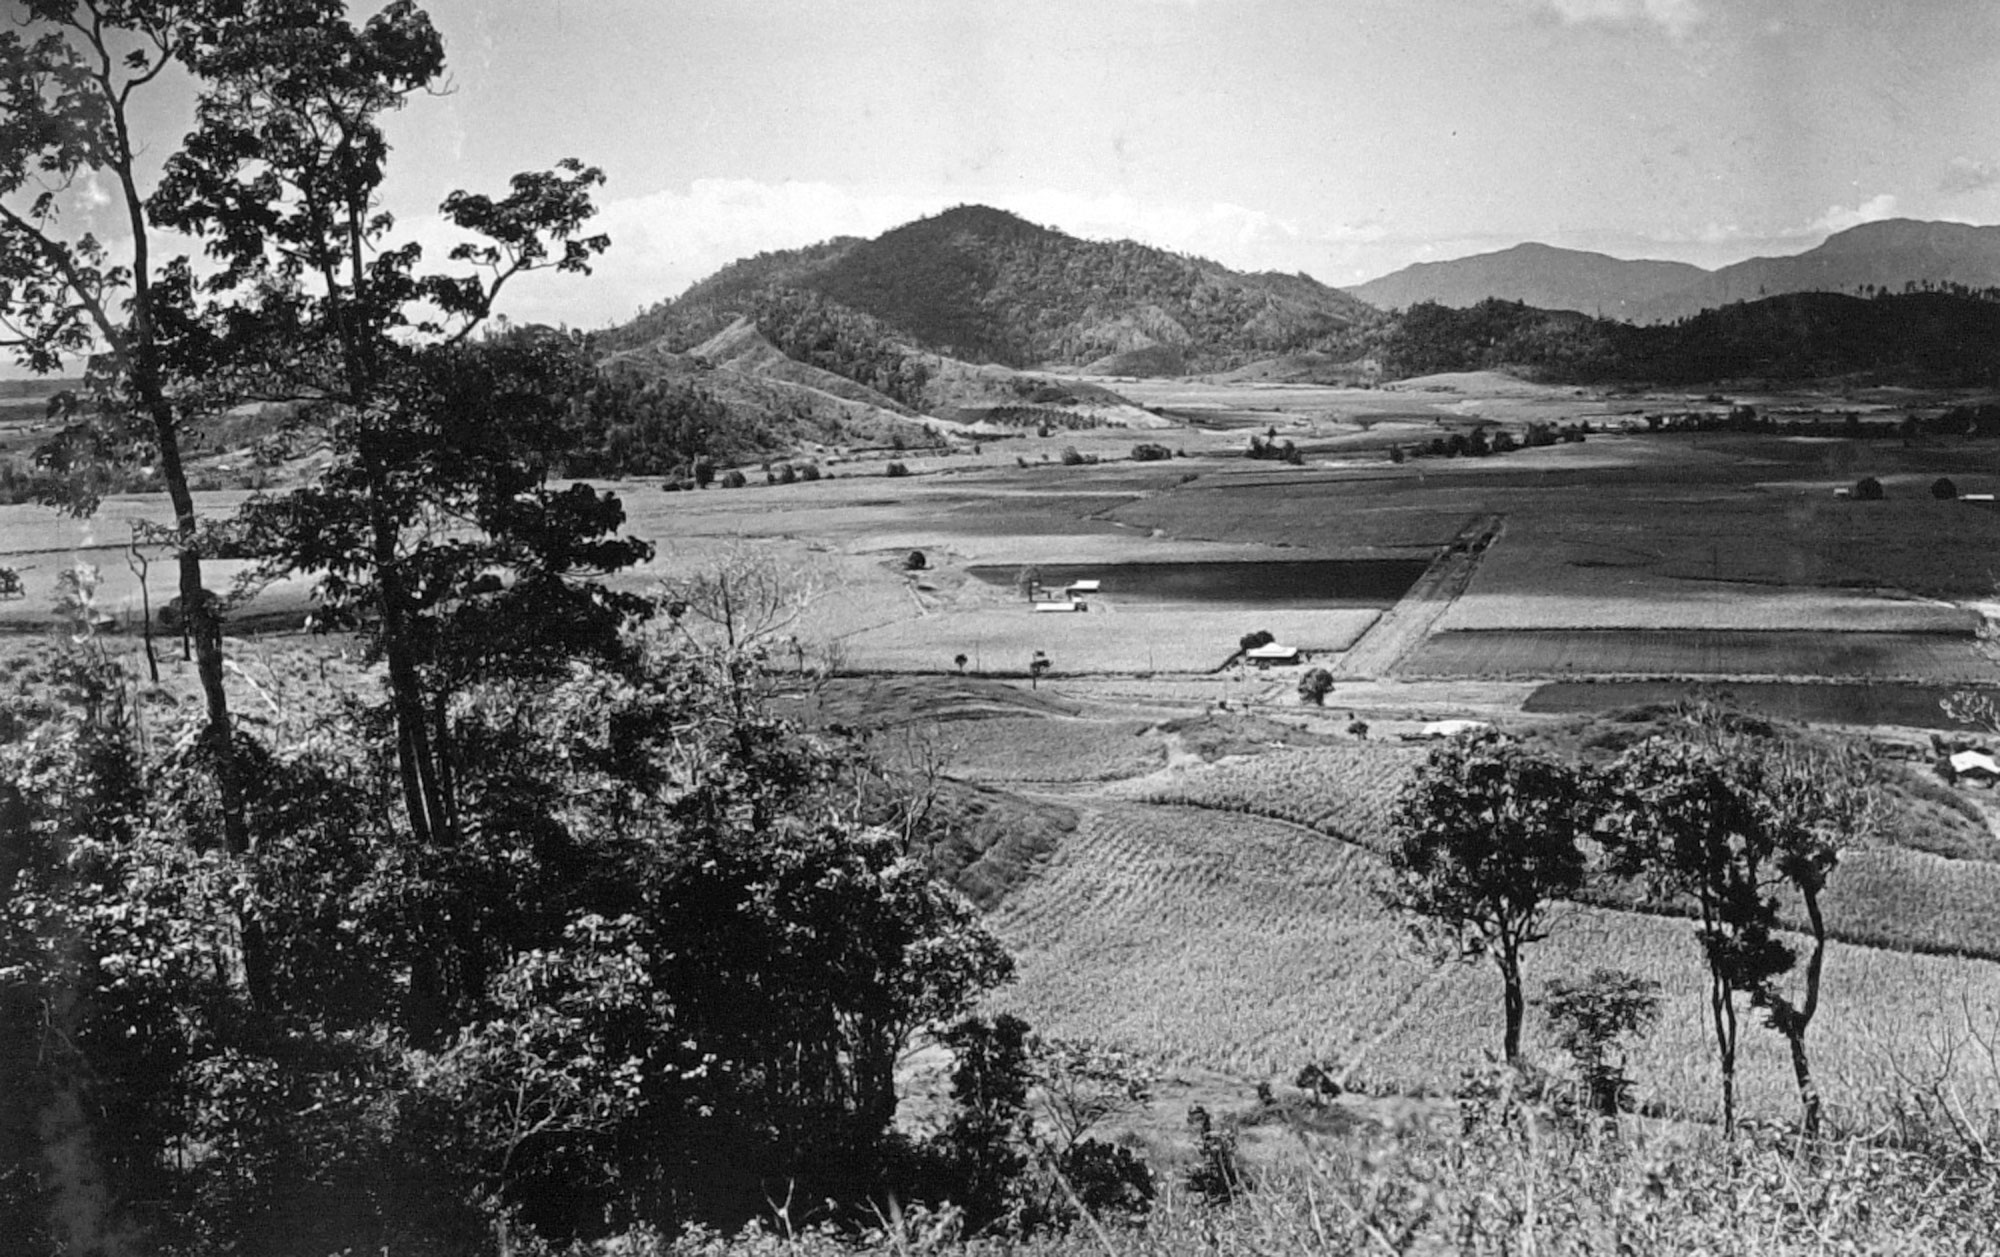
1341 138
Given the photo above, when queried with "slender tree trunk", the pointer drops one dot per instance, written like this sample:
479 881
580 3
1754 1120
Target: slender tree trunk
1722 1007
1800 1020
1809 1097
1515 1004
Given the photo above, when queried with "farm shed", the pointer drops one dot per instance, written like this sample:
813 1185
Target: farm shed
1266 656
1450 728
1975 766
1077 588
1058 608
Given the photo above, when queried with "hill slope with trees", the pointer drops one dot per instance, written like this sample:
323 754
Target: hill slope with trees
1927 338
985 286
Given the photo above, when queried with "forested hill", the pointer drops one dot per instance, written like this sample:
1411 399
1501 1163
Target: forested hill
983 285
1921 338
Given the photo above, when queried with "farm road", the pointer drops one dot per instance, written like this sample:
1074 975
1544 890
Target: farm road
1403 627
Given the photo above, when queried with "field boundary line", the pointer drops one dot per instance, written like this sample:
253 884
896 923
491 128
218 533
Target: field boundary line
1400 629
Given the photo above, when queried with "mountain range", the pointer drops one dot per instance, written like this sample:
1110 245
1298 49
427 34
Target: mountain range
976 317
1891 255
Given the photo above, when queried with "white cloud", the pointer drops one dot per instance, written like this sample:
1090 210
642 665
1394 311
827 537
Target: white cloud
1839 218
1965 174
1676 17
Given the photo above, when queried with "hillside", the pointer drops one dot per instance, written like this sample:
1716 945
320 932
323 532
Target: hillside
1894 256
1922 338
1535 274
985 286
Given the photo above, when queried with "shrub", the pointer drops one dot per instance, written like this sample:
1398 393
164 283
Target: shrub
1217 1174
1251 641
733 479
10 583
1315 685
1589 1018
1070 456
809 472
1868 489
1943 489
916 562
896 469
1147 452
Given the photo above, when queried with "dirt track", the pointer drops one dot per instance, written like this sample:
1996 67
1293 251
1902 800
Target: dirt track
1403 627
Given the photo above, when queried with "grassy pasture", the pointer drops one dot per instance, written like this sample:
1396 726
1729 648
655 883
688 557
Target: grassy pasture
1002 639
1047 749
1252 946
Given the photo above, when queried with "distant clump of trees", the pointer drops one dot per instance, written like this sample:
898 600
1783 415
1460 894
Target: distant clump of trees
1276 450
1044 419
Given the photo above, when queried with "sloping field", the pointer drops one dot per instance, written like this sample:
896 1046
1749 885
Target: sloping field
1556 653
1882 896
1345 789
1053 749
1252 946
1003 638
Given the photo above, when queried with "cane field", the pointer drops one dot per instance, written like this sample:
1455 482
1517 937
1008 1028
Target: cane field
1179 849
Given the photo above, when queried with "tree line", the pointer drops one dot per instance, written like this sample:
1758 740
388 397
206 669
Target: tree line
1935 338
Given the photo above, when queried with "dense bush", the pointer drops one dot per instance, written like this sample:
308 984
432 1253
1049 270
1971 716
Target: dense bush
1868 489
896 469
699 959
1943 489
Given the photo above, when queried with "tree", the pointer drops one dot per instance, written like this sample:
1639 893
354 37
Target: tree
1943 489
1729 813
73 95
1814 802
1029 581
1868 489
1682 819
1315 685
1483 843
1037 667
1726 813
435 530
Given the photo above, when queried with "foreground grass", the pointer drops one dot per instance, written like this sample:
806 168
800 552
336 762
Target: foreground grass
1512 1186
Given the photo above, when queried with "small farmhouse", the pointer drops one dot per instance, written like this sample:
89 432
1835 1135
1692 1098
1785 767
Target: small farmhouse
1975 766
1272 654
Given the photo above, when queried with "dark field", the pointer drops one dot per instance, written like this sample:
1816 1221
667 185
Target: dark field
1925 657
1305 584
1911 706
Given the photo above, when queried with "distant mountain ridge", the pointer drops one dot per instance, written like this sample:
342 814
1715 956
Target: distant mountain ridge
1539 275
985 286
1892 254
